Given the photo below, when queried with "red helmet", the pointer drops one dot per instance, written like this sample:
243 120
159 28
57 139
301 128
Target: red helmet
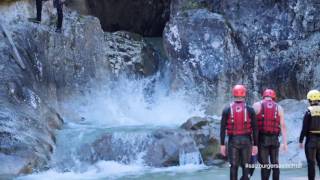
269 93
239 91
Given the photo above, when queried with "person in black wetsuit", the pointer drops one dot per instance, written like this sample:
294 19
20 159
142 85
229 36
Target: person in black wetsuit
270 118
58 4
239 122
311 130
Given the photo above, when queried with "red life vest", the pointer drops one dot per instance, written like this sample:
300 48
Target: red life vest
239 121
269 118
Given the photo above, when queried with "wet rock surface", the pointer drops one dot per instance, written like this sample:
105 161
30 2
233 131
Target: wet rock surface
194 123
160 148
57 66
205 132
261 44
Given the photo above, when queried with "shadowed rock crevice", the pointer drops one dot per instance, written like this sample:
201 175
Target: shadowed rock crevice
145 17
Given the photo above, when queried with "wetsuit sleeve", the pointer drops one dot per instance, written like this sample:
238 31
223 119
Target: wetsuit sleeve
305 126
254 126
224 119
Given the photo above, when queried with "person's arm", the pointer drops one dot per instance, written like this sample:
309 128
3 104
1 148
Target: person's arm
254 126
283 128
224 119
305 127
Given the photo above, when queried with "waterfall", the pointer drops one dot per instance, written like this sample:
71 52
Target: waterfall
190 158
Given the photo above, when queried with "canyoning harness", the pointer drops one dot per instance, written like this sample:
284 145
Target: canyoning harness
239 122
269 118
315 119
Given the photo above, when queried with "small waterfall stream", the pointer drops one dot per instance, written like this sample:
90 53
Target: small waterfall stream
116 127
190 158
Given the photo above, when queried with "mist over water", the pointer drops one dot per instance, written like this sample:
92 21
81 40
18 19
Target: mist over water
127 102
130 110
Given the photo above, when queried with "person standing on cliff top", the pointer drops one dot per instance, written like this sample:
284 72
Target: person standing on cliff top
271 124
311 130
57 4
239 122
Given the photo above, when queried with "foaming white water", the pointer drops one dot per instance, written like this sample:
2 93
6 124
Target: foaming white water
110 170
190 158
14 11
135 102
101 169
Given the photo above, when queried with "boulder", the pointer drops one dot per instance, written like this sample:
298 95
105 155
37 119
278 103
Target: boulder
159 148
168 146
206 138
194 123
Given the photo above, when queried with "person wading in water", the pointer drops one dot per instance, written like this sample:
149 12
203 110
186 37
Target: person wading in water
239 122
271 123
311 130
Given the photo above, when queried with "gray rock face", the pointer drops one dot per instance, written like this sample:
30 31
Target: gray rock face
204 52
129 53
214 45
57 66
275 35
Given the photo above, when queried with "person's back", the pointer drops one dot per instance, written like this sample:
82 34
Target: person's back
238 121
270 117
311 130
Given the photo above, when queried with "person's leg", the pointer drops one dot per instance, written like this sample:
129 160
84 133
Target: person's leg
253 161
263 156
233 155
59 7
318 154
310 152
318 158
274 158
245 156
39 9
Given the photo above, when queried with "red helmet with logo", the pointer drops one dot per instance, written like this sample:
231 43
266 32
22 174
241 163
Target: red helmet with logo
269 93
239 91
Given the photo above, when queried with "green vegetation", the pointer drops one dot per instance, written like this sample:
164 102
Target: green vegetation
194 5
7 1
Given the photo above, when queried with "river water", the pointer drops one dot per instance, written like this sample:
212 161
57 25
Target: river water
130 111
65 164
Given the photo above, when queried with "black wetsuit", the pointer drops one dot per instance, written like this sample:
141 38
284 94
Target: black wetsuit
58 4
312 145
269 148
239 147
